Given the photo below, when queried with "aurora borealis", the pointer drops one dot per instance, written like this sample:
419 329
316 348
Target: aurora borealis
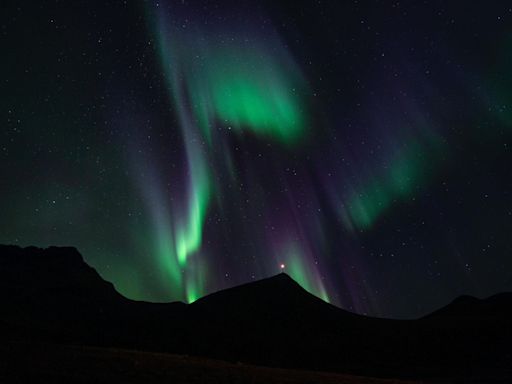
185 147
237 86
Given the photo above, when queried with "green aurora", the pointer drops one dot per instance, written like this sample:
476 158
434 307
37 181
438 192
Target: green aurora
408 171
237 86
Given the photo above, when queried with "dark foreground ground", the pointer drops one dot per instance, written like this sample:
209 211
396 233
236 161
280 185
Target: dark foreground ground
50 363
51 298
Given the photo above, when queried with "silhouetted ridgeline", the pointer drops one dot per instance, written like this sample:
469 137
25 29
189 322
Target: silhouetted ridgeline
52 295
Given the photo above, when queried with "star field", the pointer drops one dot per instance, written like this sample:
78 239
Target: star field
183 147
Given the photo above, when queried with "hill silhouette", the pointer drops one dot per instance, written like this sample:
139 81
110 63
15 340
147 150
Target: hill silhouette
52 296
496 306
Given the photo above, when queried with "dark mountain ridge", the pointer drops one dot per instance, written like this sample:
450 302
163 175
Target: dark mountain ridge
498 305
52 295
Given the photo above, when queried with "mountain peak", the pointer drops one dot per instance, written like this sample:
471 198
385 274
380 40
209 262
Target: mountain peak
280 281
278 297
283 276
280 285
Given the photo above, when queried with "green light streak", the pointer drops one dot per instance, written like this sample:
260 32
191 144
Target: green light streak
235 84
160 235
195 284
189 234
409 170
296 267
216 85
167 257
188 225
248 91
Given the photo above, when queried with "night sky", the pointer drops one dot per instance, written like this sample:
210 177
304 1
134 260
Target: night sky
189 146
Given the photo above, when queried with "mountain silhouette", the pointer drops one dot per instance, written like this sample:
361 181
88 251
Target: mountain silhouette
52 274
52 296
271 303
496 306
